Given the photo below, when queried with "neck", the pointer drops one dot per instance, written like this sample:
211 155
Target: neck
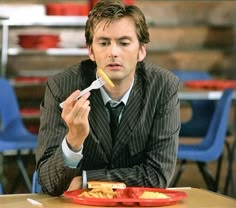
117 92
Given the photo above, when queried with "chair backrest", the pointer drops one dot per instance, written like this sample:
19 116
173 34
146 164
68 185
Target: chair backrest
9 109
36 188
214 140
202 110
187 75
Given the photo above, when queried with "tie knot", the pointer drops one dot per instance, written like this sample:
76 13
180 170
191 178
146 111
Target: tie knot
115 111
114 107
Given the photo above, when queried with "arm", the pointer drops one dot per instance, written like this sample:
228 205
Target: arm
54 173
49 155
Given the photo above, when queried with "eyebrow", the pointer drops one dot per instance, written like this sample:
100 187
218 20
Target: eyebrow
120 38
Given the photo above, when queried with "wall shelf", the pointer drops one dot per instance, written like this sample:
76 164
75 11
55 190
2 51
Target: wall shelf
49 52
51 21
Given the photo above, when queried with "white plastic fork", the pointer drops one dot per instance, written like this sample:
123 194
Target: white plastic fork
95 85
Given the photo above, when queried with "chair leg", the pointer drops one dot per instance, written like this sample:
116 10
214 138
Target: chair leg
1 189
229 176
2 178
24 172
218 171
209 179
15 183
179 173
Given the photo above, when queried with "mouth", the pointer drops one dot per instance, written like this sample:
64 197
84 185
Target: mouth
114 66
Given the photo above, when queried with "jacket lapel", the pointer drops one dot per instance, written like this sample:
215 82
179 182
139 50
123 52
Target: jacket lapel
98 119
130 117
99 123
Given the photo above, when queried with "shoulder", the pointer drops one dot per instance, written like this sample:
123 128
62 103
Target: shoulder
74 77
159 84
68 73
74 73
155 73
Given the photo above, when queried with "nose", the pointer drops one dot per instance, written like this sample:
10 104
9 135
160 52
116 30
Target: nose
114 50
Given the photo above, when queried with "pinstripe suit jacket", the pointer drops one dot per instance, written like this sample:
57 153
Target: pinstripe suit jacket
146 145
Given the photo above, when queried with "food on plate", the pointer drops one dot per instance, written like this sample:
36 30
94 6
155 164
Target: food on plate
102 74
106 184
99 193
153 195
102 189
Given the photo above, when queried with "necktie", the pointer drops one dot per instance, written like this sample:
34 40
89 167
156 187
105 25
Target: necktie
114 118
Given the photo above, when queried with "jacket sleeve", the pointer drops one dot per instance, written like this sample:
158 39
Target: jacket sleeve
54 175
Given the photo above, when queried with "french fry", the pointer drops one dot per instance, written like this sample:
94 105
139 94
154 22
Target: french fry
102 74
106 184
99 193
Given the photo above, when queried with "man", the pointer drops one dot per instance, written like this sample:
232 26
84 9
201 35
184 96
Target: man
77 139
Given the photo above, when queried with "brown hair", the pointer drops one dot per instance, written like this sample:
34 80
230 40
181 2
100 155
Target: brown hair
111 10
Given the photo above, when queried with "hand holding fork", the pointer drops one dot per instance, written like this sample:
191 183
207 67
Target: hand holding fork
95 85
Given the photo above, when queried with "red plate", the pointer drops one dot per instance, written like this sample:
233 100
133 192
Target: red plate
67 9
129 197
29 111
31 80
211 84
38 41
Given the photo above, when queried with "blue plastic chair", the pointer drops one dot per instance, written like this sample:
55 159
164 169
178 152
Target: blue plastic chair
36 188
13 134
202 110
211 147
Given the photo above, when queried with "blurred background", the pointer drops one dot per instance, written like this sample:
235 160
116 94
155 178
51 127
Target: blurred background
186 35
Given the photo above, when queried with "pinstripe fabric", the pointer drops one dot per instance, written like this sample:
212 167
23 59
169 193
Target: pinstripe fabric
146 144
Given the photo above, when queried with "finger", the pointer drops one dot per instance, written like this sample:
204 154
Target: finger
68 105
71 99
83 98
75 184
86 111
78 107
79 102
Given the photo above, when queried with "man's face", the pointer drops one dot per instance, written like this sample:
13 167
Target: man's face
116 49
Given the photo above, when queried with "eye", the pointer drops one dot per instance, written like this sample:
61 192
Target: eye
124 43
104 43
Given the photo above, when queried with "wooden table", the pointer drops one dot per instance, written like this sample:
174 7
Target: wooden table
197 198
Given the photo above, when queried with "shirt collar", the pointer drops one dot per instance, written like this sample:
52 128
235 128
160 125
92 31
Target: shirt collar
106 98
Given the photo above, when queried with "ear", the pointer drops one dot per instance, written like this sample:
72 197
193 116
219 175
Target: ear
142 52
90 53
